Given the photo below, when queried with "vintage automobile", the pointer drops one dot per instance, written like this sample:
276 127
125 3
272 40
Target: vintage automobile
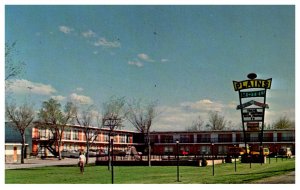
70 153
92 153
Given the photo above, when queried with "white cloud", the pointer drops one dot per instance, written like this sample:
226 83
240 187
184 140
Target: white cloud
79 89
109 44
164 60
204 104
58 98
81 99
145 57
65 29
88 34
22 86
136 63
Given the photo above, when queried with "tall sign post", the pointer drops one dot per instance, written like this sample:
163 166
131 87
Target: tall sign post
253 111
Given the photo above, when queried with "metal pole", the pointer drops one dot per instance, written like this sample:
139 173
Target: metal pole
177 143
235 159
261 156
112 161
109 163
250 155
213 159
244 131
235 163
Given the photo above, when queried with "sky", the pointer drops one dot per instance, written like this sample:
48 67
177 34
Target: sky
183 57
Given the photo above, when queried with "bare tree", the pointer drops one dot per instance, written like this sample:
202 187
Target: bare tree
55 119
283 123
141 117
85 119
197 125
13 67
217 122
113 117
21 118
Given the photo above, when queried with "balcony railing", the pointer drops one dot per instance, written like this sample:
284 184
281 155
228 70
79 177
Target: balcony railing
267 139
203 140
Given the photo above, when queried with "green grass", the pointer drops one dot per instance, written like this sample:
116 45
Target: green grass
224 174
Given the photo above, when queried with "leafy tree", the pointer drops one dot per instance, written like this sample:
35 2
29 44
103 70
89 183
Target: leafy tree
55 119
21 118
217 121
141 117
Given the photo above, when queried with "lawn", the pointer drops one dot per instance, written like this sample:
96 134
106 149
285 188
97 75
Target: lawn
224 174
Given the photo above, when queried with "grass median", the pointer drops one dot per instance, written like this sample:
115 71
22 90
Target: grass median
224 174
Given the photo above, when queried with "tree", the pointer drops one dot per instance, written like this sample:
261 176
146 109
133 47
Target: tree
196 125
113 117
13 67
55 119
283 123
85 119
141 117
21 118
217 122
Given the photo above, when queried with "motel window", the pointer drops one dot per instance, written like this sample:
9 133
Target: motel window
205 149
203 138
43 133
185 139
167 138
123 138
185 149
168 149
106 138
67 134
222 149
75 146
75 135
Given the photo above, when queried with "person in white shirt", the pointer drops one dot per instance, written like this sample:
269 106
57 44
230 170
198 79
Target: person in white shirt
81 162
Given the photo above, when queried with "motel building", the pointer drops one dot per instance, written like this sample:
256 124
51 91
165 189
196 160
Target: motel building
40 143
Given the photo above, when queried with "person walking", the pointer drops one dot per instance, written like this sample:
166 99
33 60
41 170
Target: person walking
81 162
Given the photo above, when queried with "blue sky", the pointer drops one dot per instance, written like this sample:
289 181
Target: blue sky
185 57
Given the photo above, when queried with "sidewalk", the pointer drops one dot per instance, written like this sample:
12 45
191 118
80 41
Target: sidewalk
37 162
288 178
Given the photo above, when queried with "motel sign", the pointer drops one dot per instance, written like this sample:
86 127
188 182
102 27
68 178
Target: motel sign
253 111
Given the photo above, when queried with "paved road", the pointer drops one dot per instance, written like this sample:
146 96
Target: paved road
31 163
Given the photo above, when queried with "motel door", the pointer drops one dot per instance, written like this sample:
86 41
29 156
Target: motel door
15 157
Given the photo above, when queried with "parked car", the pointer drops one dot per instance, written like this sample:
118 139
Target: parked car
70 154
92 153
